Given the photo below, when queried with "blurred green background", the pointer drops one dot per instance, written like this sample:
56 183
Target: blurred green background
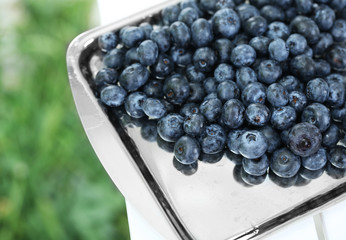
52 185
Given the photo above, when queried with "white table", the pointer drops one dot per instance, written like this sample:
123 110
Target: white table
329 225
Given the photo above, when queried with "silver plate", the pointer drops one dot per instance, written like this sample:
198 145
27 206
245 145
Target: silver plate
209 204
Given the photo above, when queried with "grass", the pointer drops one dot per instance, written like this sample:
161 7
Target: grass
52 186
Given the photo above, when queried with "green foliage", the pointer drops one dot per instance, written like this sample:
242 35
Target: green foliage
52 186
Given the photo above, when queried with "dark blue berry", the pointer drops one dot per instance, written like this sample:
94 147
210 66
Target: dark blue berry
223 72
188 16
240 39
259 3
170 127
147 28
196 92
253 93
114 58
132 36
290 14
228 90
180 34
246 11
226 22
148 52
233 140
337 157
176 89
105 77
255 26
318 115
113 96
153 89
272 136
251 179
310 174
162 38
306 27
232 114
322 68
296 44
210 85
108 41
245 76
336 56
324 17
193 75
304 6
338 30
269 71
134 103
163 66
284 163
256 167
272 13
337 93
211 109
290 83
181 56
194 124
212 139
278 30
325 41
243 55
220 4
283 117
317 90
210 96
211 158
260 44
187 150
131 56
283 182
201 33
297 100
154 108
204 59
170 14
303 67
278 50
257 114
188 109
277 95
315 161
208 6
334 172
223 48
133 77
252 144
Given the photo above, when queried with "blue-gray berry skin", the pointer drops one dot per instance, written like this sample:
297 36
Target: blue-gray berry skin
210 85
187 150
232 114
149 131
338 30
162 67
296 44
114 58
176 89
318 115
113 96
337 93
246 11
254 93
194 124
162 37
272 13
131 56
133 77
226 23
104 77
147 28
337 157
170 14
322 68
210 96
338 114
269 71
283 117
204 59
253 144
132 36
181 56
211 109
188 109
148 52
256 167
334 172
306 27
317 90
290 83
324 17
228 90
252 179
303 67
272 136
196 92
255 26
257 114
331 136
278 30
233 140
134 103
297 100
193 75
154 108
108 41
326 40
278 50
223 48
283 182
188 16
310 174
180 33
201 32
284 163
225 4
186 169
336 56
211 158
245 76
277 95
212 139
170 127
153 89
260 44
243 55
315 161
304 139
223 72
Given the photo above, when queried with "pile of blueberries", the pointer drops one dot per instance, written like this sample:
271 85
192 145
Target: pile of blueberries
264 79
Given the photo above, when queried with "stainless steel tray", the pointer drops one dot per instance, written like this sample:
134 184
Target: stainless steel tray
210 204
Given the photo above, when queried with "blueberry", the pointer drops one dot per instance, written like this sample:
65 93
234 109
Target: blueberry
310 174
154 108
220 4
257 114
278 50
169 106
318 115
223 48
186 169
284 136
191 3
254 93
296 44
132 36
105 77
196 92
251 179
176 89
114 58
211 109
163 66
304 6
108 41
335 172
337 5
243 55
303 67
148 52
306 27
284 163
210 85
162 37
149 131
233 138
317 90
208 6
201 32
290 14
226 22
338 114
113 96
228 90
272 13
324 17
336 56
211 158
232 114
212 139
170 127
240 39
131 56
133 77
147 28
223 72
304 139
245 76
278 30
204 59
181 56
193 75
272 136
194 124
277 95
290 83
188 16
134 103
325 41
259 3
260 44
269 71
255 26
283 117
337 93
210 96
338 31
253 144
246 11
170 14
315 161
283 182
297 100
322 68
180 34
188 109
337 157
186 150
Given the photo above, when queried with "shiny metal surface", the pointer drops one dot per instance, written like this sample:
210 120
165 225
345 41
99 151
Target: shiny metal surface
210 204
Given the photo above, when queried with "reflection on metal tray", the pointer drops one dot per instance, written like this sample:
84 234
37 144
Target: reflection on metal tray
210 203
